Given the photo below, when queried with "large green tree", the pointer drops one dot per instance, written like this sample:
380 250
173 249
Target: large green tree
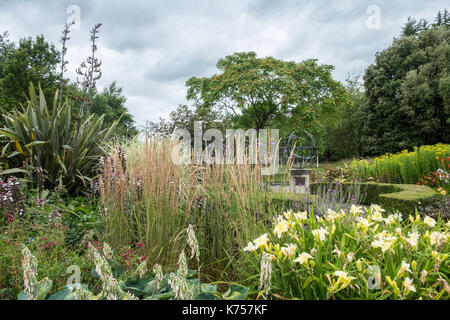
111 102
33 60
408 93
268 92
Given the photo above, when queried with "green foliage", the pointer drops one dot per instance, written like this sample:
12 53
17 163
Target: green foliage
404 167
53 259
135 285
82 222
32 61
343 141
111 103
267 92
184 117
413 27
357 254
407 90
66 148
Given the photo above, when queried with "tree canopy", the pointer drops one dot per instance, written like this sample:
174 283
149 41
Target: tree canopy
408 93
36 61
31 61
267 92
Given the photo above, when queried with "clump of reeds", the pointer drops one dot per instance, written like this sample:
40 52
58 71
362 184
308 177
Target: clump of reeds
149 199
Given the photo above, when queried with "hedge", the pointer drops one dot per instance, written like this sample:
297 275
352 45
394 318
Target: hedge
402 197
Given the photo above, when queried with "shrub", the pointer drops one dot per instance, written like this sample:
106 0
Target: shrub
337 175
405 167
47 243
65 147
351 255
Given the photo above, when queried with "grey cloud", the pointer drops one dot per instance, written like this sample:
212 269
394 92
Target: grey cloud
152 47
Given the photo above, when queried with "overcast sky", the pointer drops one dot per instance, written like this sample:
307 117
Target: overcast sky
152 47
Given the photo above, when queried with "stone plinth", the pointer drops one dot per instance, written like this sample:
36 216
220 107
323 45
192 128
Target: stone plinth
299 180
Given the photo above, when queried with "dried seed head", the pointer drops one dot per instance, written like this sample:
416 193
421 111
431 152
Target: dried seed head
182 265
193 243
111 289
266 273
180 287
157 269
81 293
107 251
29 274
141 270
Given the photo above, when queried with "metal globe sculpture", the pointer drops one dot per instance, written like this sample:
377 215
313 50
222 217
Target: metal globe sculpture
303 148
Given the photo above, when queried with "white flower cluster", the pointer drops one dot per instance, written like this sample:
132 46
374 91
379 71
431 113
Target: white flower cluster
193 243
178 281
29 274
157 269
111 289
266 273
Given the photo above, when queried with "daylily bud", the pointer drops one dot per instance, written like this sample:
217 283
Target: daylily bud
359 265
414 265
333 229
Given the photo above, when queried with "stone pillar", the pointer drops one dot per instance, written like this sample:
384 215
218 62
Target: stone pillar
299 180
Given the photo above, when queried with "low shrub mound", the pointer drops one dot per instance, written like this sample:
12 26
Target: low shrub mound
358 254
402 197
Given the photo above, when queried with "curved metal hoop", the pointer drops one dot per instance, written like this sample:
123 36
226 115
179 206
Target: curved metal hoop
303 147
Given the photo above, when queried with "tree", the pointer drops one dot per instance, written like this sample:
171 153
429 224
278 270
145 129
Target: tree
262 92
413 27
343 141
184 117
442 18
6 48
408 93
111 103
32 61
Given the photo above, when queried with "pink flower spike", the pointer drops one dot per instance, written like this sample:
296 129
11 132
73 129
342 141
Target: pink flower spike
43 238
100 248
52 243
142 258
140 244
